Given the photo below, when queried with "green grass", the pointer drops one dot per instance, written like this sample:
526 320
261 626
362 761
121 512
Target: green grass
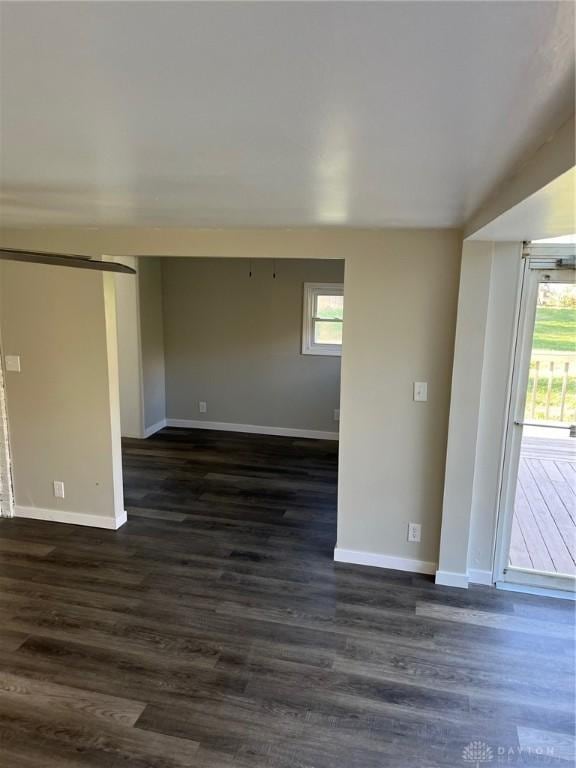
555 329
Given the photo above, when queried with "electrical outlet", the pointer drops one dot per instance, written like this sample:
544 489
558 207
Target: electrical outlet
336 414
202 407
59 489
414 532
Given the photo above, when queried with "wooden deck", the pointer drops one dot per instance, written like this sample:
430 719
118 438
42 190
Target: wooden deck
544 526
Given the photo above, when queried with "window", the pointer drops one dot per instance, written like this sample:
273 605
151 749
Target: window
323 319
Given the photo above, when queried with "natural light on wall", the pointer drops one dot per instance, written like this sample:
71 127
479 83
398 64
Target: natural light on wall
563 239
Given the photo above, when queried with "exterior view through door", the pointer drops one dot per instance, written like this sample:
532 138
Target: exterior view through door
542 532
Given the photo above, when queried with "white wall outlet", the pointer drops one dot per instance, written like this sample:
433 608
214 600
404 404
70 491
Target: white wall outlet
414 532
202 407
420 391
12 363
59 489
336 414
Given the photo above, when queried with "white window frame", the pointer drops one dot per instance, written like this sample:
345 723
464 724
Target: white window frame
311 292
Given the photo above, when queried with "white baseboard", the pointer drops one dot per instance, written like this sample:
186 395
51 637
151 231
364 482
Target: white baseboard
225 426
376 560
462 580
154 428
74 518
476 576
451 579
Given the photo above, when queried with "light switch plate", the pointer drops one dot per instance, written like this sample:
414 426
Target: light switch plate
202 406
420 391
12 363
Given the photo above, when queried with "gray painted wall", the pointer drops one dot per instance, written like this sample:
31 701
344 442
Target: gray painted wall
152 340
234 341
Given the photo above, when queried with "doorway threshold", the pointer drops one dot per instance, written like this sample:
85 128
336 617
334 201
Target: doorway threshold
562 594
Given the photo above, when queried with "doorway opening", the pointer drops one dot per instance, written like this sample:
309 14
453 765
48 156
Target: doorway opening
234 367
538 543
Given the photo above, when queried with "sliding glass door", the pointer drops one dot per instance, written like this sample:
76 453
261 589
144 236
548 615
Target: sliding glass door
537 536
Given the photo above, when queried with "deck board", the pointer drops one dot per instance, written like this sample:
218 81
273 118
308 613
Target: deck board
544 526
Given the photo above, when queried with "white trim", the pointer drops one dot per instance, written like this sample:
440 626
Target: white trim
6 482
109 294
520 371
526 317
377 560
553 251
154 428
530 577
139 350
225 426
311 293
74 518
508 586
445 578
476 576
502 480
451 579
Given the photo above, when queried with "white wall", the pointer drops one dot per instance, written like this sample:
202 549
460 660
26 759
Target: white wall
63 407
487 311
497 366
553 159
400 320
473 298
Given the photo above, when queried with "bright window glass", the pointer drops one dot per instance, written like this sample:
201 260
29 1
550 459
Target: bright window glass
323 319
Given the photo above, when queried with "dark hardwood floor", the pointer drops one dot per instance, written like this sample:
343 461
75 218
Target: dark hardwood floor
214 630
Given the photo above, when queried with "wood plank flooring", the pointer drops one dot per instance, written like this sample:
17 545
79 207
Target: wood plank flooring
214 630
544 524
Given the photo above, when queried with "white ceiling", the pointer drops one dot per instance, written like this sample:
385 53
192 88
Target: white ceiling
275 113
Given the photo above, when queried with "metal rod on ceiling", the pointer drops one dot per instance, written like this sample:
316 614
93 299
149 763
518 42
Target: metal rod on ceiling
64 260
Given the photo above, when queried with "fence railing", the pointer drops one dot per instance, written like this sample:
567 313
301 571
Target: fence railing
551 392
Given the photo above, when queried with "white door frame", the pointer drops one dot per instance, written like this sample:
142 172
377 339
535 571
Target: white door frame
503 574
6 486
